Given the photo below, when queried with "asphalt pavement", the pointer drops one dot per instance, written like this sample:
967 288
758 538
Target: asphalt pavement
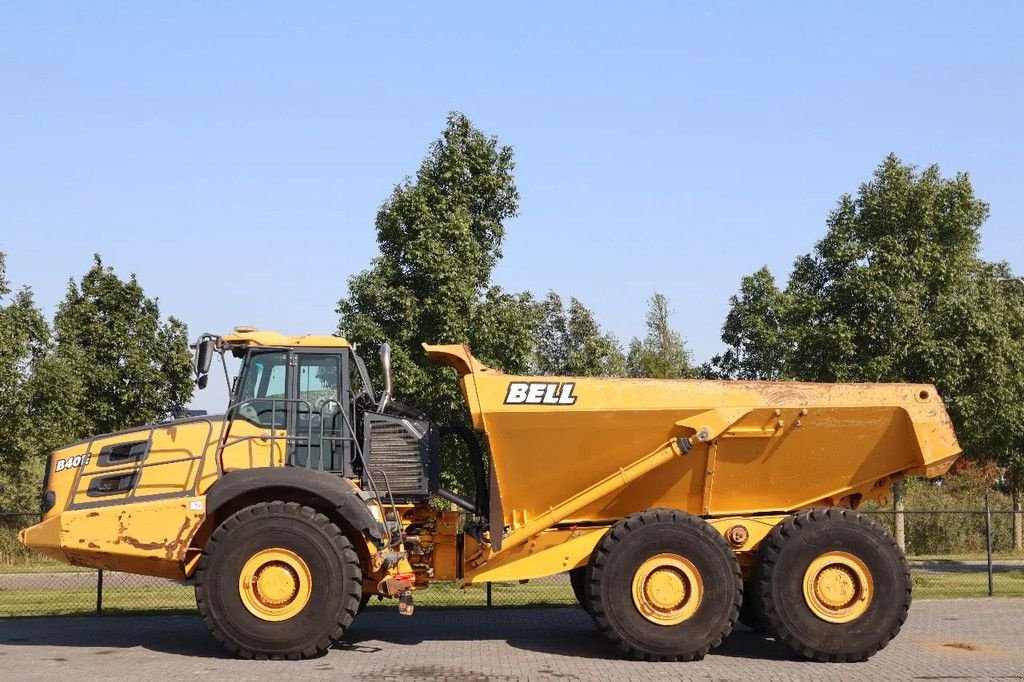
948 639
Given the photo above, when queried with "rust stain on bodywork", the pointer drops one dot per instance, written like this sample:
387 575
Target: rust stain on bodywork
177 547
137 544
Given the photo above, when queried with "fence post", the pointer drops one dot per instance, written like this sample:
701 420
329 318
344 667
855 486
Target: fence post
899 523
99 592
988 540
1018 516
488 595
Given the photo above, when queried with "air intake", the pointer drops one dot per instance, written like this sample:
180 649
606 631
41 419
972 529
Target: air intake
400 449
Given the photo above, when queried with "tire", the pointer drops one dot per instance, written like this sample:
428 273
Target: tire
750 613
363 601
614 581
878 579
324 594
577 578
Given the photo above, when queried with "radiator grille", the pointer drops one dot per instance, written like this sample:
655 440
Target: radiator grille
397 447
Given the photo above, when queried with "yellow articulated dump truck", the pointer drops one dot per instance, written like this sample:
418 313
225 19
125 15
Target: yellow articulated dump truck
675 506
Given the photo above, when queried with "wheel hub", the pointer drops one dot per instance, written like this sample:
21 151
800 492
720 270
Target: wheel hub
667 589
275 584
838 587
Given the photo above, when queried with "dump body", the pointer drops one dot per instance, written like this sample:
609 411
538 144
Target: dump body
766 447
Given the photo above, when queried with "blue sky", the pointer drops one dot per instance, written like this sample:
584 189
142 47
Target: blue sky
233 155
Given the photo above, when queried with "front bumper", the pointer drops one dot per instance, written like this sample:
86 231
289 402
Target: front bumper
44 537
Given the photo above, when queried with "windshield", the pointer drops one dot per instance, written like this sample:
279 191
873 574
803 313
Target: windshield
261 394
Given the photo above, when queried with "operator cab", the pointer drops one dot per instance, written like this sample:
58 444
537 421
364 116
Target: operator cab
315 394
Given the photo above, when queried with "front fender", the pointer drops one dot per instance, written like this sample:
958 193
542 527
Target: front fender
316 489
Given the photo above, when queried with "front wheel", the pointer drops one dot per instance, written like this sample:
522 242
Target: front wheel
278 580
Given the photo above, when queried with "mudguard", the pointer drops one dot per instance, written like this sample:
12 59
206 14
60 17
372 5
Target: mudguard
315 488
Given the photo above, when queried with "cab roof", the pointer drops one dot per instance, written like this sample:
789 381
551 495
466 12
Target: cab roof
249 336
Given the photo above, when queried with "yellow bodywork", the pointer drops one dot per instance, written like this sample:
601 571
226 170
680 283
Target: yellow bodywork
569 457
148 530
585 452
247 336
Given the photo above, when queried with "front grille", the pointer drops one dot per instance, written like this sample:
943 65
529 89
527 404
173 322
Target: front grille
399 448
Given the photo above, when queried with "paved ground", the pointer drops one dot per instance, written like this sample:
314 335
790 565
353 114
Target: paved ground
952 639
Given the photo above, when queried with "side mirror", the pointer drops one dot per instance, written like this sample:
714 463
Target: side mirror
385 366
204 356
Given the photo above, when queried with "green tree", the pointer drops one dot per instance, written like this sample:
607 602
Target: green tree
571 343
882 297
894 292
994 409
133 366
37 397
440 236
662 353
757 340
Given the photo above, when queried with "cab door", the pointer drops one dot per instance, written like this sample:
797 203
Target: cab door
317 422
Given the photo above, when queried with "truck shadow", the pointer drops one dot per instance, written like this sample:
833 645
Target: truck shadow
562 631
183 635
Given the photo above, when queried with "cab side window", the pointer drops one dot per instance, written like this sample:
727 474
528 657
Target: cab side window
318 380
319 419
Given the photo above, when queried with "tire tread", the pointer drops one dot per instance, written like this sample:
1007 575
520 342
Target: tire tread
768 556
346 553
605 549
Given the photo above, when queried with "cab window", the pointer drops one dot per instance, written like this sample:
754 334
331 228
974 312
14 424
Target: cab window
318 427
318 380
261 399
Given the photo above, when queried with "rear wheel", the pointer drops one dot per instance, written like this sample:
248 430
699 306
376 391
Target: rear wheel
577 578
278 580
663 585
833 585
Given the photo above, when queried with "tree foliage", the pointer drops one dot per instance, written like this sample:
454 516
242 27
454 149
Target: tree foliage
38 397
662 353
571 343
439 236
109 363
133 366
755 333
895 292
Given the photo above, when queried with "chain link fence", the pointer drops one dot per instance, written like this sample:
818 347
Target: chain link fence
952 554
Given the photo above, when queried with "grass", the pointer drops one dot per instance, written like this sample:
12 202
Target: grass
181 599
82 600
1002 555
966 585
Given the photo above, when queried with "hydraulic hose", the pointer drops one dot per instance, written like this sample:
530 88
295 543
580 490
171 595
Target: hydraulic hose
482 500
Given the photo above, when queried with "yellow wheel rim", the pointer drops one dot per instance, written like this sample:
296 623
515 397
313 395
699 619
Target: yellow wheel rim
667 589
275 584
838 587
